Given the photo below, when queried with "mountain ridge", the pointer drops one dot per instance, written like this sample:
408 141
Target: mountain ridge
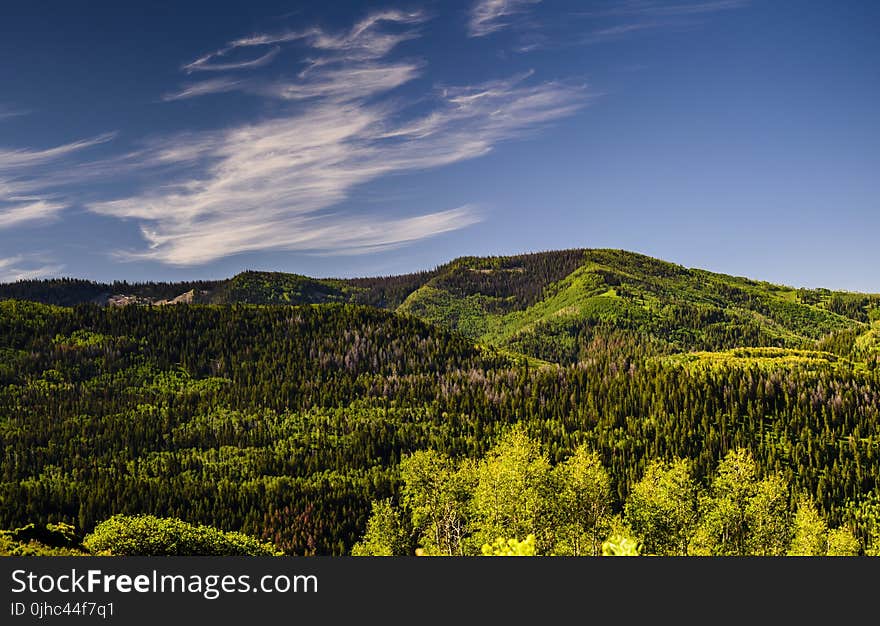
549 305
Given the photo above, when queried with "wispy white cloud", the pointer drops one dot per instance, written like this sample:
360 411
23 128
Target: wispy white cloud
22 158
610 20
362 235
621 30
684 8
489 16
276 184
348 59
661 8
347 83
364 41
24 267
27 179
208 63
268 184
7 112
365 38
203 88
38 210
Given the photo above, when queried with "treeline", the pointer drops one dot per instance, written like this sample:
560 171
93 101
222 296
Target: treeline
518 280
466 508
507 283
285 423
72 291
276 288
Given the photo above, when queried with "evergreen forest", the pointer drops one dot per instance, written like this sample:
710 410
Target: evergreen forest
575 402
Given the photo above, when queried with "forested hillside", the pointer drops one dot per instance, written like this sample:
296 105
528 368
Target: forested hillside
552 306
522 304
290 408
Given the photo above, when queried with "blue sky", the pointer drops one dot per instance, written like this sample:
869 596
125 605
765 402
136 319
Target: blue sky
184 140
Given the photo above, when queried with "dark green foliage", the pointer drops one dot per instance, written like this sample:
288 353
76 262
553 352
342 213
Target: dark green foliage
277 288
508 283
221 415
72 291
855 306
58 291
387 292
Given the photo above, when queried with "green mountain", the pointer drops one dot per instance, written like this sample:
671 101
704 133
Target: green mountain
555 306
514 302
299 424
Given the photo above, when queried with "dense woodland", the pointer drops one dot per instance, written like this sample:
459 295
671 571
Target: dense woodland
291 409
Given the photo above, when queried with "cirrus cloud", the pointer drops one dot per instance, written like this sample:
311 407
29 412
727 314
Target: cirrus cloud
489 16
25 267
28 179
7 112
278 183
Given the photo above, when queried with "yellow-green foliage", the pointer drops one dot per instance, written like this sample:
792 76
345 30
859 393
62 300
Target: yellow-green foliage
510 547
145 535
812 537
762 357
10 547
674 306
580 294
481 507
619 545
842 542
516 358
385 536
869 342
49 540
180 381
467 315
83 339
